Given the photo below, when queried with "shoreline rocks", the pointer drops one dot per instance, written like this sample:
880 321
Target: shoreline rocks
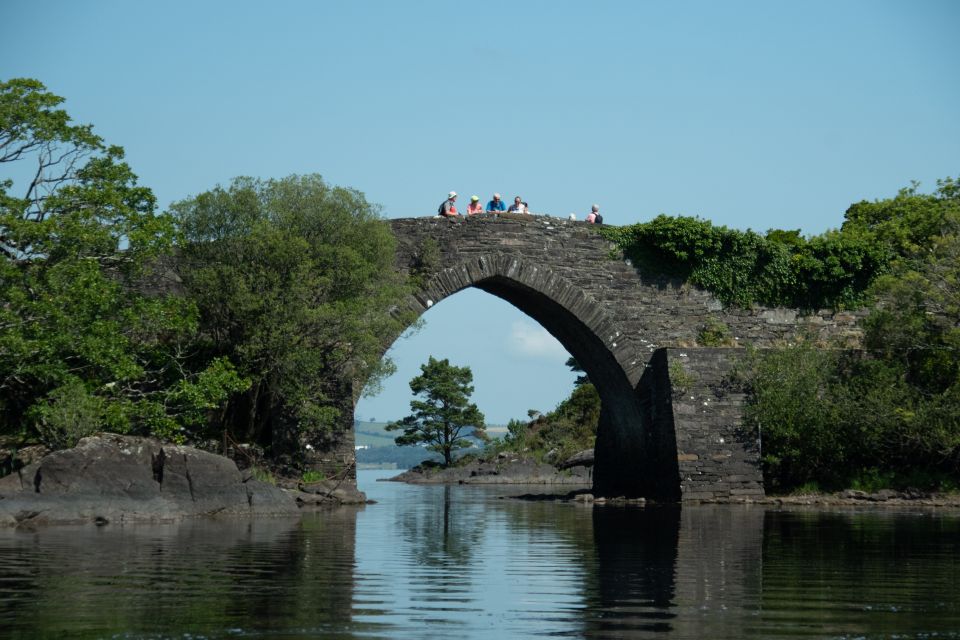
502 470
109 478
506 471
327 493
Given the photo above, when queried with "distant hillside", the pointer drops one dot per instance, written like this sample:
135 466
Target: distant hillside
373 434
401 457
381 448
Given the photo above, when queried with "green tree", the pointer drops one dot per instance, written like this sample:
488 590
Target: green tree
915 327
444 417
892 411
295 284
555 436
83 346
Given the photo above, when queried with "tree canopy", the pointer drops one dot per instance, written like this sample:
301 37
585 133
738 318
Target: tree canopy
443 416
82 345
295 285
889 415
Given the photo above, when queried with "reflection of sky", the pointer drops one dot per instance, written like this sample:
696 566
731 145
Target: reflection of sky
495 576
518 569
505 569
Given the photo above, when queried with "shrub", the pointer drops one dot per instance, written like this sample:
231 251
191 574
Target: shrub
310 477
680 379
715 333
263 475
831 270
69 414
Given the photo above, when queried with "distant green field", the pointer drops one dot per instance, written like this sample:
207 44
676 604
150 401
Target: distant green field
373 434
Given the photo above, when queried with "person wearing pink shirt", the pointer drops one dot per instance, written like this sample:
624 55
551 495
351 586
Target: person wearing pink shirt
594 216
474 207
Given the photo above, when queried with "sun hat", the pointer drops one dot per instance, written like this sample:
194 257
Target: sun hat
452 194
474 198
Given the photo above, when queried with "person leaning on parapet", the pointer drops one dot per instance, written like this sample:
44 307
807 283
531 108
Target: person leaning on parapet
496 204
474 207
449 206
594 216
518 206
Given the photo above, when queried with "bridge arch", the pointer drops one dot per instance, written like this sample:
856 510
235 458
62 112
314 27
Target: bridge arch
623 465
670 423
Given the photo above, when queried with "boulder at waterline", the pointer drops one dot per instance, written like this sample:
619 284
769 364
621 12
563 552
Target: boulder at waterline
110 478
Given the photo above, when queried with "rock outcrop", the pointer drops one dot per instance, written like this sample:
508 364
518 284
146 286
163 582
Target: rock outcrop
329 493
502 470
121 479
583 458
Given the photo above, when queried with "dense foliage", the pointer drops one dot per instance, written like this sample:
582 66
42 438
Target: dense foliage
443 416
82 347
555 436
889 415
286 290
295 285
782 268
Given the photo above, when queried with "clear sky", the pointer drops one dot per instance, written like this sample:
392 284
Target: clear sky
753 114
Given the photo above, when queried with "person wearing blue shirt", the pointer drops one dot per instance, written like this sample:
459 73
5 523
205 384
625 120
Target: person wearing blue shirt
496 204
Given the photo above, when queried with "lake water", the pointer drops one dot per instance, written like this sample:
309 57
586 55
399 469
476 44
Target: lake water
460 562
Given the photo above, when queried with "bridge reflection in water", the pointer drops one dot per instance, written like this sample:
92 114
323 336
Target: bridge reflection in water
459 562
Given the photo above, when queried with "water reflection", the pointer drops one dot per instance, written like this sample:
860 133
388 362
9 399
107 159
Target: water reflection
441 562
855 572
636 558
445 531
199 576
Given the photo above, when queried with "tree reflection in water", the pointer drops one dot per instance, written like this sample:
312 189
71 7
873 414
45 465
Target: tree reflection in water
202 576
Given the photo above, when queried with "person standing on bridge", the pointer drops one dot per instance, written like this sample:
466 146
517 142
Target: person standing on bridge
474 207
449 206
496 204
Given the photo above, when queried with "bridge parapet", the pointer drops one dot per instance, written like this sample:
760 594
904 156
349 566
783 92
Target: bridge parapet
651 310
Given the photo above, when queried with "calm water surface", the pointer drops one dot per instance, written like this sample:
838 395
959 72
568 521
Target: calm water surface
459 562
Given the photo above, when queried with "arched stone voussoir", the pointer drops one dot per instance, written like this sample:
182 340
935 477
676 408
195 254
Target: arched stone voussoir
497 272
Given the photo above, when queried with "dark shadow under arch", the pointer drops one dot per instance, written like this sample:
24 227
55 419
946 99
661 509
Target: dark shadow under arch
627 460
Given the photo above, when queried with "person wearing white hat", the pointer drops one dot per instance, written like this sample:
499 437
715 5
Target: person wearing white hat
449 206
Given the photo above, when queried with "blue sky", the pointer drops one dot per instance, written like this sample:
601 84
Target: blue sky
750 114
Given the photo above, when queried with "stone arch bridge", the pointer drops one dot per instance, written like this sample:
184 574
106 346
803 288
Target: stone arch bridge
670 425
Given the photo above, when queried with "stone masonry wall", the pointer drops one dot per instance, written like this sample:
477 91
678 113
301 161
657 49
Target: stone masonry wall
717 458
635 332
646 310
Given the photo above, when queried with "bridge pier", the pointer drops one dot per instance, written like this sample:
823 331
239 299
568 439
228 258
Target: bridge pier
689 443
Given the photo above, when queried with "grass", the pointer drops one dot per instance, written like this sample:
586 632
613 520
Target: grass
309 477
263 475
